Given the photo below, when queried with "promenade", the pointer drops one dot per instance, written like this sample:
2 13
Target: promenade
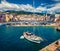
25 24
55 46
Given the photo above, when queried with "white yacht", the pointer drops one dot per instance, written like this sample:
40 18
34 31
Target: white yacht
32 37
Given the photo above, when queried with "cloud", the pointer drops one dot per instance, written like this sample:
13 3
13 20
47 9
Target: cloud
18 7
55 8
8 6
4 6
40 9
11 6
56 0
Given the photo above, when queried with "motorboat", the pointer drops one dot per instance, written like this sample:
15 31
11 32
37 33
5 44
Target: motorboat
32 37
58 29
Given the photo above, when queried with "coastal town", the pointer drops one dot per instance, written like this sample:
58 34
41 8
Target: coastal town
30 19
29 25
33 20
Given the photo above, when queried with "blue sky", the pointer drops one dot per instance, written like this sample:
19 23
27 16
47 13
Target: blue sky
37 2
27 5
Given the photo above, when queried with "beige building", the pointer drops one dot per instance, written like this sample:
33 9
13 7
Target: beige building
7 18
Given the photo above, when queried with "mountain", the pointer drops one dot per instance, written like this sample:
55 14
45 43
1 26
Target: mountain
24 12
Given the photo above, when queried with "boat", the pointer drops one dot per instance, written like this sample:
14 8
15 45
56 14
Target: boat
58 29
32 37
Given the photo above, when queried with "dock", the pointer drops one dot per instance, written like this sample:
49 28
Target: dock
52 47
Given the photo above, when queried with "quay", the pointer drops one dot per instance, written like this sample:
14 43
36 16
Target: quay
55 46
25 24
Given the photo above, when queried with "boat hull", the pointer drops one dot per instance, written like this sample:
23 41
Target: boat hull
32 40
58 29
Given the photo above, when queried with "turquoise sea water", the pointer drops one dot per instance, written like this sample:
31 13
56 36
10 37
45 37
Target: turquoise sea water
10 38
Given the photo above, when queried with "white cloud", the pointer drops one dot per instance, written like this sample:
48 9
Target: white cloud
56 8
10 6
7 6
40 9
57 0
41 4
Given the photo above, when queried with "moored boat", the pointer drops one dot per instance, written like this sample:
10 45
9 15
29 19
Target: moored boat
58 29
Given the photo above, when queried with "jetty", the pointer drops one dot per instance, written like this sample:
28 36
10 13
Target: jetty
55 46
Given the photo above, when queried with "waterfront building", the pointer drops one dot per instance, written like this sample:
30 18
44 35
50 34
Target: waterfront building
36 19
7 18
0 18
3 17
52 18
58 20
11 17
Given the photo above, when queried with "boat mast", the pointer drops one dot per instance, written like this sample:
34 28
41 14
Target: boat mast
33 16
33 8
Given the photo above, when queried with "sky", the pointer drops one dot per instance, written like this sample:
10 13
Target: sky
41 6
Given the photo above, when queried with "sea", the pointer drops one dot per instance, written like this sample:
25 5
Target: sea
10 37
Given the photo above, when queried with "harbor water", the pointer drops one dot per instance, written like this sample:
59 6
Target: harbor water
10 37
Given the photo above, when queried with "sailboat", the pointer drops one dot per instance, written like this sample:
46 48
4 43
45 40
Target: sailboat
31 36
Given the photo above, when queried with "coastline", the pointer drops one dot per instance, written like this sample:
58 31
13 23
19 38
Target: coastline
17 25
36 25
